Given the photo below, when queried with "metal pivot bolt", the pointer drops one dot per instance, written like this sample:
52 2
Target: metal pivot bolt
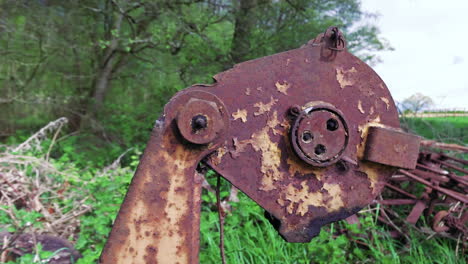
201 121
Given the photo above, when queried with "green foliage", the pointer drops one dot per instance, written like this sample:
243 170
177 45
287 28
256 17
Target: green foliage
107 192
55 56
249 237
452 129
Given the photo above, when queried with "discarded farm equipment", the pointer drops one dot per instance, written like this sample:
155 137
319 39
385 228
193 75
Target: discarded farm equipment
436 189
312 135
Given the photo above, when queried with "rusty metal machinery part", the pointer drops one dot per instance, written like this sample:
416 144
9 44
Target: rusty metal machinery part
306 169
319 135
202 120
443 201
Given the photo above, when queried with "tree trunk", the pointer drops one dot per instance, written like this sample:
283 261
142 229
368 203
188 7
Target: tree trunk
245 21
107 65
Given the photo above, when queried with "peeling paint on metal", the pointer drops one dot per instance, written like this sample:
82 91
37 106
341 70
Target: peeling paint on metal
264 107
329 197
386 101
360 107
283 87
240 114
363 130
220 152
344 77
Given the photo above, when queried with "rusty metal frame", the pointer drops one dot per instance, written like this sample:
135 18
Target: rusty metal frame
241 127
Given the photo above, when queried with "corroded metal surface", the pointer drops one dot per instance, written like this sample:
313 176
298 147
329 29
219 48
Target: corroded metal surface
319 98
392 147
258 158
319 135
442 202
159 219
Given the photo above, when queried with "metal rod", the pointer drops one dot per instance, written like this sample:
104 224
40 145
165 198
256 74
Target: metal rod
446 164
450 193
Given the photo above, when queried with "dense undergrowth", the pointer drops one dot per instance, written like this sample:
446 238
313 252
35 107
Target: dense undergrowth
80 197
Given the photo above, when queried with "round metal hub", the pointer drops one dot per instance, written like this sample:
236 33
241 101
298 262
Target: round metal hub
201 121
320 135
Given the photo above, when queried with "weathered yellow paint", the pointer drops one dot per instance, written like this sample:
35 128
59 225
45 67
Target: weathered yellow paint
371 169
264 107
240 114
359 106
270 152
170 234
283 88
273 122
386 101
220 152
271 155
303 168
301 198
344 77
363 130
334 190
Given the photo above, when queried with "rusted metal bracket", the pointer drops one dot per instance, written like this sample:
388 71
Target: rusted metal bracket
299 132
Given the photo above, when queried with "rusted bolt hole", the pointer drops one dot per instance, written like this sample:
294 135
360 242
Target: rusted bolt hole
199 122
295 110
341 166
320 149
332 124
307 137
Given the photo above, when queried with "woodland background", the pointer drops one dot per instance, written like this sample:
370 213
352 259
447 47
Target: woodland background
108 67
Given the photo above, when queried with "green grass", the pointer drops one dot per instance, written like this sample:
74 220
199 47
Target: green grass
446 129
249 237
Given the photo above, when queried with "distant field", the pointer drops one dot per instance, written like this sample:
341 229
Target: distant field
452 129
438 114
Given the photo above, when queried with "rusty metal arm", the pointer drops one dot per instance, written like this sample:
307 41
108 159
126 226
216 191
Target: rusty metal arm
159 219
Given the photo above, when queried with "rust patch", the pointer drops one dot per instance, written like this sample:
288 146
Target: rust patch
240 114
344 77
283 88
264 107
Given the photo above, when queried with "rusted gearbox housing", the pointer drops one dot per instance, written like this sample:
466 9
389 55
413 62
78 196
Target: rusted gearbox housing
310 134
